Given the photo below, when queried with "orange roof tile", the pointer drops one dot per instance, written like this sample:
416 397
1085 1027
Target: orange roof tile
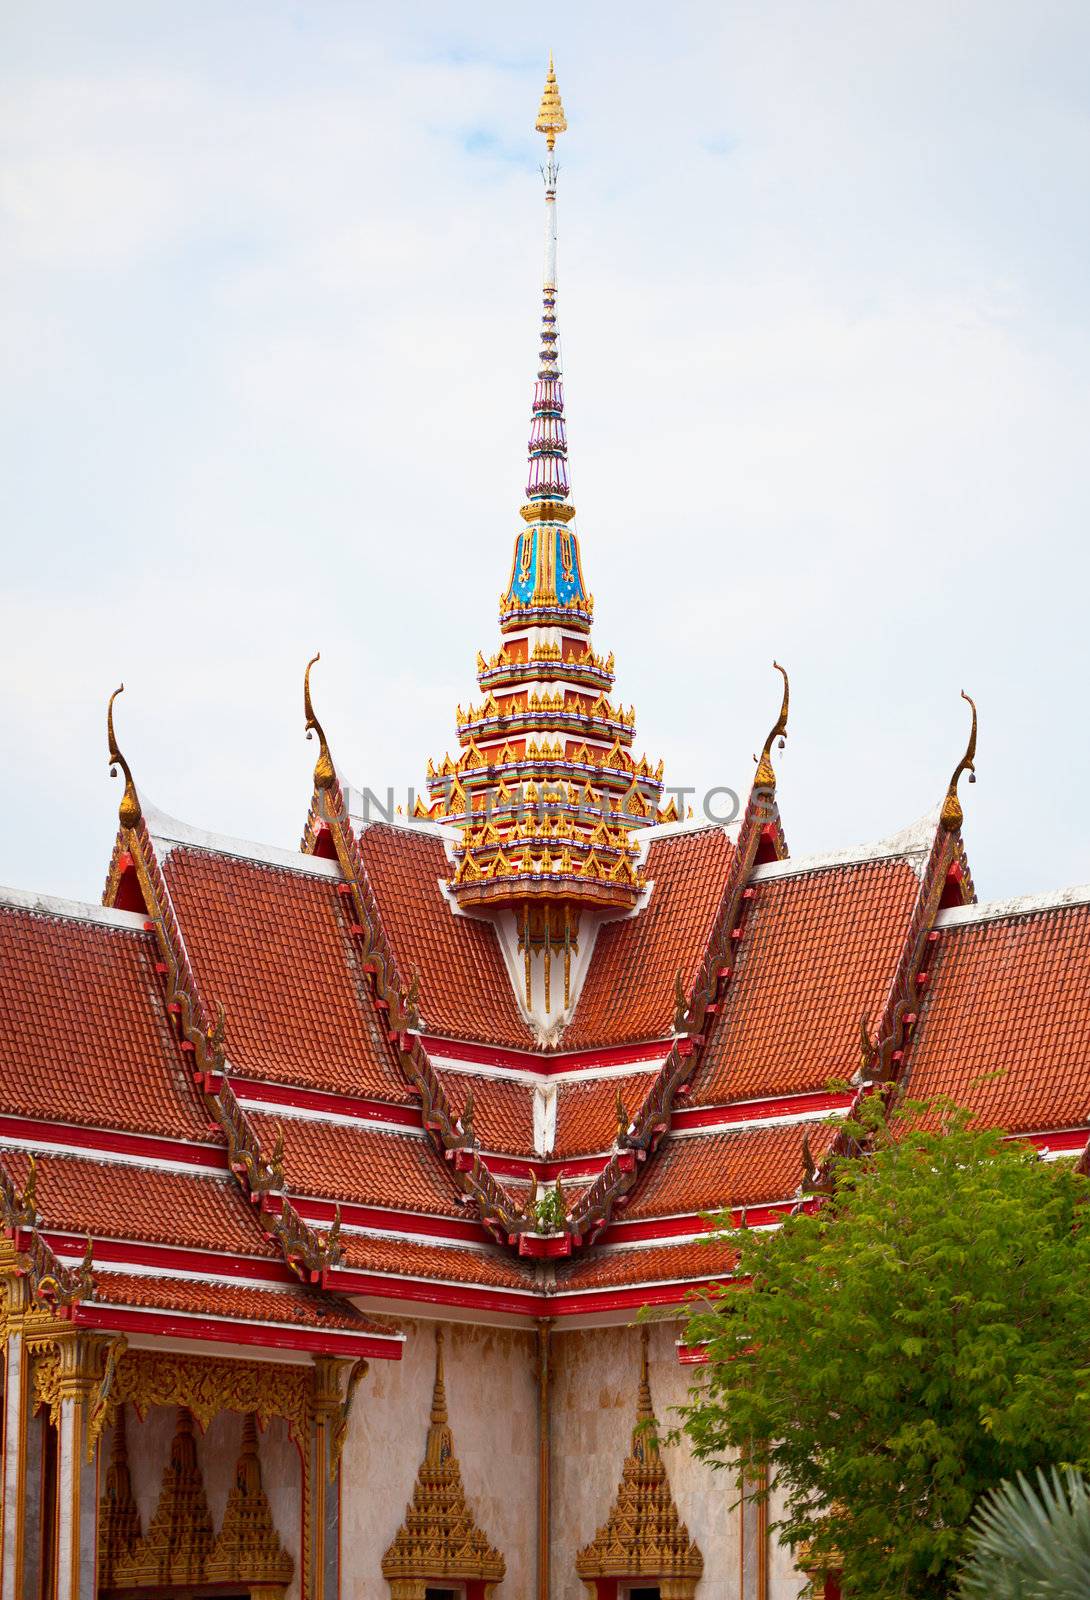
628 992
503 1110
84 1035
112 1200
820 948
364 1166
271 946
1005 1026
709 1171
586 1113
303 1307
485 1264
607 1267
465 991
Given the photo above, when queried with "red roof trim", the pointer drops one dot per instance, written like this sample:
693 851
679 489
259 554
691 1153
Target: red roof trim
555 1061
379 1220
262 1092
785 1107
267 1335
38 1134
170 1259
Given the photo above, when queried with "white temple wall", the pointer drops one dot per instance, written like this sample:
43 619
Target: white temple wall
491 1386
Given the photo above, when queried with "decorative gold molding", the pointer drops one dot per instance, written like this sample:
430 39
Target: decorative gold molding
643 1535
118 1517
439 1537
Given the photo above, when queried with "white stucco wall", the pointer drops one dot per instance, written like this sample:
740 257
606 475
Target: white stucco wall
491 1385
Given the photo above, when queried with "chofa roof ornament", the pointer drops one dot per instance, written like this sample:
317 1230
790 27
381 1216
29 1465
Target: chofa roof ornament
128 811
324 773
765 777
951 815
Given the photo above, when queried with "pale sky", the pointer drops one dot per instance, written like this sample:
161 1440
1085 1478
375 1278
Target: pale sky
269 288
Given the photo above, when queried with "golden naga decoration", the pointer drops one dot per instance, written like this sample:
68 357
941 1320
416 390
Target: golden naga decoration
248 1552
439 1539
644 1536
128 811
118 1517
324 773
765 777
550 113
952 816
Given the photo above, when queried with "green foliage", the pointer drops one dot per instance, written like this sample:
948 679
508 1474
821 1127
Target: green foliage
1031 1545
550 1211
919 1339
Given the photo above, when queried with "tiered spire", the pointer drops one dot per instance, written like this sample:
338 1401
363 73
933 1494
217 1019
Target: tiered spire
546 787
644 1536
439 1538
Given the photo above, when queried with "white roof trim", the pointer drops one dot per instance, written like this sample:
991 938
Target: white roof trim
47 905
1028 905
168 831
912 844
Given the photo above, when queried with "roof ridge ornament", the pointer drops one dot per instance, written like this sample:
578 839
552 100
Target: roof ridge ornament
951 815
550 113
128 812
324 772
765 777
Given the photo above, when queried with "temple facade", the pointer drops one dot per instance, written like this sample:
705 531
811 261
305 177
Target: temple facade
333 1180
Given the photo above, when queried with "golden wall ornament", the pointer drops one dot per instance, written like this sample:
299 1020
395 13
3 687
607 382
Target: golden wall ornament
179 1538
248 1551
118 1517
148 1378
439 1538
643 1536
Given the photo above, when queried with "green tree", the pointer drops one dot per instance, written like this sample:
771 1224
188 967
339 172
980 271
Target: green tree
1031 1544
892 1356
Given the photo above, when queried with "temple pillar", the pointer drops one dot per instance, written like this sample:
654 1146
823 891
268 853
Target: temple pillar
322 1467
80 1363
21 1449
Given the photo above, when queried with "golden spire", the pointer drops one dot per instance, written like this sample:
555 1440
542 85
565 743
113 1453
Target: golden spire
645 1411
550 113
951 816
439 1391
128 811
765 778
324 774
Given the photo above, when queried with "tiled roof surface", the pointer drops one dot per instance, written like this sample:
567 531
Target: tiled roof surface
586 1113
503 1110
1005 1024
112 1200
706 1172
465 991
607 1268
84 1035
486 1264
271 946
818 951
628 992
303 1307
361 1165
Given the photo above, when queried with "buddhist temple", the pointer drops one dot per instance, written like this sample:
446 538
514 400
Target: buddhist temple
333 1178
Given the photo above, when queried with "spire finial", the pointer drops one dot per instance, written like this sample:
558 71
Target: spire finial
765 777
550 113
439 1393
128 812
644 1407
324 774
951 815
